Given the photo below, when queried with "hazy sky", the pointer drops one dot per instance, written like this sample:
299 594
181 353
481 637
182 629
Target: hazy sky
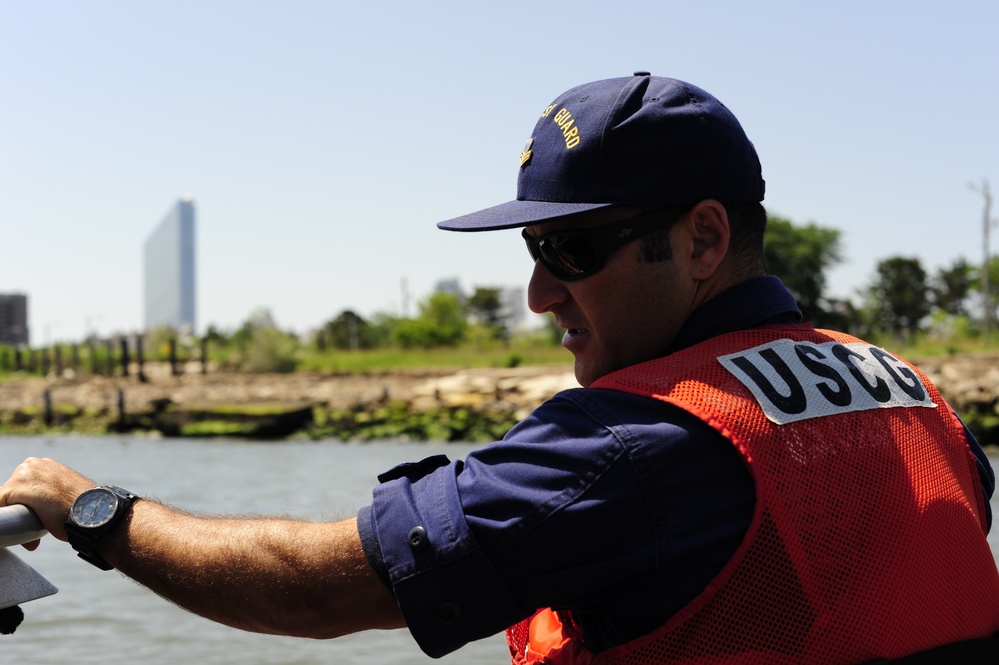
323 140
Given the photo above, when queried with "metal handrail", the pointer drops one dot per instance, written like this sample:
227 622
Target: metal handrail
19 525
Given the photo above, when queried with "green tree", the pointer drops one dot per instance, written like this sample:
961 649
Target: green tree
899 295
951 286
259 319
486 308
216 336
270 350
976 285
800 256
349 331
441 323
381 329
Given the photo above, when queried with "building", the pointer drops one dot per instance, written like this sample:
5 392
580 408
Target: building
450 286
14 319
168 267
514 308
513 302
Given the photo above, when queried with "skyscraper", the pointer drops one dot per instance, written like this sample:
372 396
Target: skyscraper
169 270
14 319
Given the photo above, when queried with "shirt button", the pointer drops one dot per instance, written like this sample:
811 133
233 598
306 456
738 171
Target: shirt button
448 613
418 538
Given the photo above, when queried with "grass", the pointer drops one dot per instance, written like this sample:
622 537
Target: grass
384 360
932 346
210 428
519 352
249 409
529 352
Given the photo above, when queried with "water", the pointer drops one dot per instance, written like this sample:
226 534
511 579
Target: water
103 618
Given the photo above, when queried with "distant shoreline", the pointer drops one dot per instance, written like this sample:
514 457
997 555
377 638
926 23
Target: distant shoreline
90 403
93 404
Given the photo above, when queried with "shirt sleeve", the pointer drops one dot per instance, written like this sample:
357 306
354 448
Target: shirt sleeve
569 510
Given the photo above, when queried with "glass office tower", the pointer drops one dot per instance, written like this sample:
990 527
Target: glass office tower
14 319
169 270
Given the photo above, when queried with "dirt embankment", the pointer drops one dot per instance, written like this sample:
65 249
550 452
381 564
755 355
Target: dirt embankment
524 387
966 381
969 382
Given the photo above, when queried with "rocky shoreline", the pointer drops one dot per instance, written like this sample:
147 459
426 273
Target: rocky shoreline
164 401
969 382
524 387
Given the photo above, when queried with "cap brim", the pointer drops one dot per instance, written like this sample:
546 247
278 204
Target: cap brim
513 214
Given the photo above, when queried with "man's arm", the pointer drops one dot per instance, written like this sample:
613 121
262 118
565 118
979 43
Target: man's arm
261 574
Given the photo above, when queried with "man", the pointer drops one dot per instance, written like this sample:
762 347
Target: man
728 484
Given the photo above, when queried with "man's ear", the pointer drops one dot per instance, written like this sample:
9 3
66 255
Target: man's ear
707 225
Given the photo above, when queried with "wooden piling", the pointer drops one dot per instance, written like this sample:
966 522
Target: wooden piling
140 357
121 409
47 398
123 345
173 357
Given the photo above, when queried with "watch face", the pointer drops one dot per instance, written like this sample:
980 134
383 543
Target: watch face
94 508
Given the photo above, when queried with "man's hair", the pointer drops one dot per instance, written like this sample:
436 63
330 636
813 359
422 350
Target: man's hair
747 221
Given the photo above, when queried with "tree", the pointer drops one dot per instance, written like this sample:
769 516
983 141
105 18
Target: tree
349 331
486 308
381 329
899 295
216 336
262 347
800 256
270 350
259 319
441 323
951 286
976 286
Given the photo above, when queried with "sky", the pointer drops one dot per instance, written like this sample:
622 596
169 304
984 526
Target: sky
322 141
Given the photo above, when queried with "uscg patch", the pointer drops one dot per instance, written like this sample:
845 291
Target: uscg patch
799 380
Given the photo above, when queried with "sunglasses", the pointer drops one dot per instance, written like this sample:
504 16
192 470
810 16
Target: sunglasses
573 254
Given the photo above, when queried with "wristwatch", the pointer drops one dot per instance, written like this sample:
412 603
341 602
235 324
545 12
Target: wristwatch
93 515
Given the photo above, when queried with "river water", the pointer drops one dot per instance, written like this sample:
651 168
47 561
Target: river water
103 618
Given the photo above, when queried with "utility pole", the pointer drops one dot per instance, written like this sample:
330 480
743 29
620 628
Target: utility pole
987 223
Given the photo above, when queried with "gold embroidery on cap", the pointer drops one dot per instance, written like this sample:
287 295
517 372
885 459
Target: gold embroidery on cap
567 124
525 156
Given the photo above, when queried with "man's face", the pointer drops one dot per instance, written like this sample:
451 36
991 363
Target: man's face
626 313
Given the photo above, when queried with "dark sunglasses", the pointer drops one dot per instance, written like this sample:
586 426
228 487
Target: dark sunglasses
573 254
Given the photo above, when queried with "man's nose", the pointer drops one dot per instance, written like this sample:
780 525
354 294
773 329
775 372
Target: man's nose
544 291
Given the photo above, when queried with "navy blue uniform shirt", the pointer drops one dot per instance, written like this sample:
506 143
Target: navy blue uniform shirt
619 507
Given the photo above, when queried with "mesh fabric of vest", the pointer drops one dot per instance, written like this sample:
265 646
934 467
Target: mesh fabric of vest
868 539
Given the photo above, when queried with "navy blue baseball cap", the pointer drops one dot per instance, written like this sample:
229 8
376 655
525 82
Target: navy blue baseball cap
635 140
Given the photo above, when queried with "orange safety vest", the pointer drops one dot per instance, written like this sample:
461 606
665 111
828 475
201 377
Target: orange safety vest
868 538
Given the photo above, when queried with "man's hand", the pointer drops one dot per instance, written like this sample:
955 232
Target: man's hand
48 488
